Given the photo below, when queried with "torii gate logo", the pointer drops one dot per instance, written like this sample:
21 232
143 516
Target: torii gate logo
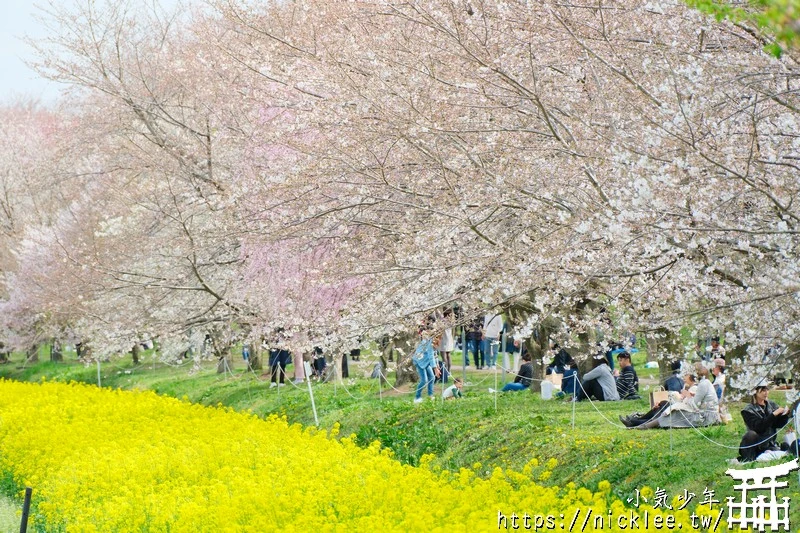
758 512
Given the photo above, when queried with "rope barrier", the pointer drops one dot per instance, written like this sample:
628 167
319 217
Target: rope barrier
695 428
495 391
734 447
362 397
392 386
574 401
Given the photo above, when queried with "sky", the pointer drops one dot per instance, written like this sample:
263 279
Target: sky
17 79
17 21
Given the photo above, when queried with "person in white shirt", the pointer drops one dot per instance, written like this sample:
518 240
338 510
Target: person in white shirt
447 342
492 326
454 390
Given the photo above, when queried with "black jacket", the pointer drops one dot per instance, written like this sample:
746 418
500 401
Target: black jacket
525 374
761 420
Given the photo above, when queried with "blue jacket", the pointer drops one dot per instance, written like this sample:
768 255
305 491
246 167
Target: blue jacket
424 355
673 383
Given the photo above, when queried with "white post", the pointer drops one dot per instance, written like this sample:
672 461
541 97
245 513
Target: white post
796 434
505 356
464 352
495 386
313 405
98 371
574 396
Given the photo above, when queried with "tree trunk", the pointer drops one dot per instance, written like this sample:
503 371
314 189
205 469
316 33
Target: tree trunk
56 352
33 354
224 364
535 349
3 353
82 350
384 365
222 350
137 348
664 346
793 357
537 345
255 362
538 349
587 339
335 370
406 372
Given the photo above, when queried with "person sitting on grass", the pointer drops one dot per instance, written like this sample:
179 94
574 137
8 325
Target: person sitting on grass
674 381
564 364
454 390
639 419
700 410
598 382
524 376
628 381
763 419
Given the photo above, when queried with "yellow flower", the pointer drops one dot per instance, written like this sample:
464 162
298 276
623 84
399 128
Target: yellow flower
103 460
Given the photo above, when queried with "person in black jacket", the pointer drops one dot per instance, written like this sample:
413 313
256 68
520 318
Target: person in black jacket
474 336
763 419
564 364
524 377
561 361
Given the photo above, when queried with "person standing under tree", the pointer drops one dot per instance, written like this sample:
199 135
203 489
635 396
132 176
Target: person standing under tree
447 343
425 362
492 326
473 337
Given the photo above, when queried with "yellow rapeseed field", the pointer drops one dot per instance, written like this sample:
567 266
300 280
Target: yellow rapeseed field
110 460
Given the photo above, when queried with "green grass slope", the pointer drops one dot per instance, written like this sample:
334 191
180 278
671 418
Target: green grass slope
478 431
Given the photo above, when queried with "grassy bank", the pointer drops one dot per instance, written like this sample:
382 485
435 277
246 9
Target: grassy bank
507 431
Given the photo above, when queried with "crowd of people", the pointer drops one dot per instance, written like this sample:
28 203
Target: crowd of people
693 394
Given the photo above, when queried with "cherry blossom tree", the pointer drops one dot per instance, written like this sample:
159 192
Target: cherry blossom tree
492 152
342 168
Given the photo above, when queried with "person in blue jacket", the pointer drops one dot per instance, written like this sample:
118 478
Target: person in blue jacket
425 362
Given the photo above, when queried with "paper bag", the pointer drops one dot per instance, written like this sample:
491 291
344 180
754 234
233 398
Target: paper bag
555 379
657 397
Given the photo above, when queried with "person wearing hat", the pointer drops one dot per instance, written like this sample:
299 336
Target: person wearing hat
763 419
